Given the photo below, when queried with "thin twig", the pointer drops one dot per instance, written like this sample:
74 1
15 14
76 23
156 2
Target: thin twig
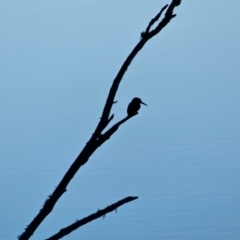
155 19
100 213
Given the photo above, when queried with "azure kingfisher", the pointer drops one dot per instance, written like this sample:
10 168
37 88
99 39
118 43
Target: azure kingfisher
134 106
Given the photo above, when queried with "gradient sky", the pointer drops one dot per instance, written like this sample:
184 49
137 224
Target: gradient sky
180 154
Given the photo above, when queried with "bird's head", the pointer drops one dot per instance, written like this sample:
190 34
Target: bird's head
138 100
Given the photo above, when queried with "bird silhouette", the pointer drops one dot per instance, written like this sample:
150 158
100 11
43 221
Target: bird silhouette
134 106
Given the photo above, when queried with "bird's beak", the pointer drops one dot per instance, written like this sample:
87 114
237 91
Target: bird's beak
143 103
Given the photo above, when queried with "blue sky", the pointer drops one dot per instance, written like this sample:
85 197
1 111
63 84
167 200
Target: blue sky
180 154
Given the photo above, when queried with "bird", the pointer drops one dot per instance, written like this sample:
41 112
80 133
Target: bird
134 106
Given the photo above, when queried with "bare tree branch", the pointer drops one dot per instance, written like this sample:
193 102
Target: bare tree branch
112 130
100 213
98 138
155 19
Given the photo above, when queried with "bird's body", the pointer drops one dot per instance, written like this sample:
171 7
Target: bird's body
134 106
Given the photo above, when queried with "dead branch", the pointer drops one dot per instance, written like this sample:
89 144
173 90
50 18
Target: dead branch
100 213
98 138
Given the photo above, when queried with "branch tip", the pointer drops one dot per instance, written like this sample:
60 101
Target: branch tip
100 213
177 2
155 19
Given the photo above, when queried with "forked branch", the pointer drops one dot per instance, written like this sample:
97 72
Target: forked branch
98 136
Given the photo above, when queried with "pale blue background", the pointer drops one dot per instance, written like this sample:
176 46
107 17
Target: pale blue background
180 155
